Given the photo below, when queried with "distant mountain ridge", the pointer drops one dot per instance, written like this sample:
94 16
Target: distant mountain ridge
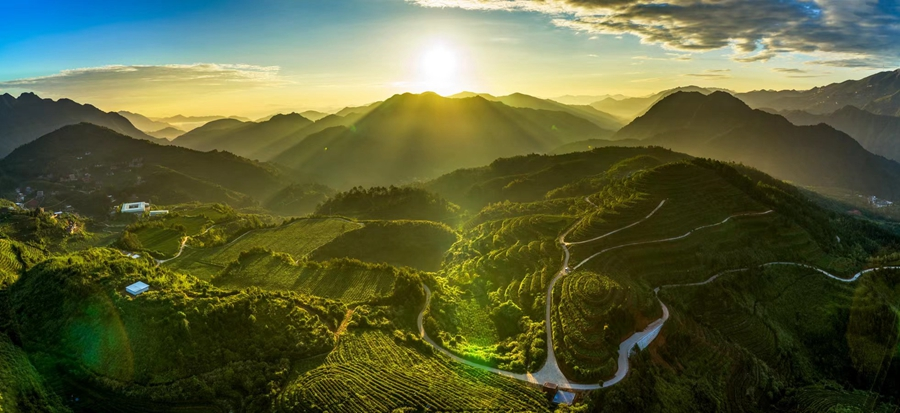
632 107
521 100
411 137
878 93
258 140
29 117
879 134
168 173
720 126
144 123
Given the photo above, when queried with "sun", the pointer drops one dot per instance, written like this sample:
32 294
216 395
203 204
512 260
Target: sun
438 70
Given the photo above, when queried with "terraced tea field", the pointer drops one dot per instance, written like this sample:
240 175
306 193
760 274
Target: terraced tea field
297 239
370 372
345 280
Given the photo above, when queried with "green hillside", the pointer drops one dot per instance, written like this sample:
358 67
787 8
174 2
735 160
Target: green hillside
344 280
416 244
390 203
166 345
414 137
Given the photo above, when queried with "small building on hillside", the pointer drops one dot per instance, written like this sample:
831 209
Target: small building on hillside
137 288
159 212
135 207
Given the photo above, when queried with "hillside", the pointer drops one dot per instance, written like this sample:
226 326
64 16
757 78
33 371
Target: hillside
879 134
390 203
722 127
644 223
144 123
169 133
519 100
97 156
878 93
414 137
29 117
259 140
241 137
632 107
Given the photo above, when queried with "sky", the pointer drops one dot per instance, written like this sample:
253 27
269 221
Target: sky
259 57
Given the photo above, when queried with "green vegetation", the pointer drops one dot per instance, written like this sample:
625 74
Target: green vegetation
174 343
220 246
374 371
390 203
779 337
416 244
298 199
21 387
344 280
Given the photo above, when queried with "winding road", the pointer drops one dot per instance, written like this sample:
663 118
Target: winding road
550 372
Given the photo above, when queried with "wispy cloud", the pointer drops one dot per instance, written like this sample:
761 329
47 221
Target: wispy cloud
133 78
757 30
712 74
788 70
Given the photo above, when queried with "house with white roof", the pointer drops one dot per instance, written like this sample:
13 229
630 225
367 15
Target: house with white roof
135 207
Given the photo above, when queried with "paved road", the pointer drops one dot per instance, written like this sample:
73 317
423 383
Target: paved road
551 372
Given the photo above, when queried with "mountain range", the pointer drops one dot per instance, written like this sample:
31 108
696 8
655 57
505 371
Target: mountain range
878 93
410 137
520 100
722 127
29 117
632 107
879 134
94 156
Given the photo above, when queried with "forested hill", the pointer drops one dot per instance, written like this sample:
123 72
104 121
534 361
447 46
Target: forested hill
412 137
720 126
29 117
109 158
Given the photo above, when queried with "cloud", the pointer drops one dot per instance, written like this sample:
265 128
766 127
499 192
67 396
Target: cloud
712 74
788 70
757 30
672 57
154 79
864 63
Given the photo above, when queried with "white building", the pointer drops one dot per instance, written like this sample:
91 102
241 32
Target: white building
159 212
135 207
137 288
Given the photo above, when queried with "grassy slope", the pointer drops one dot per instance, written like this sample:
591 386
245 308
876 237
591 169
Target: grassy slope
344 280
417 244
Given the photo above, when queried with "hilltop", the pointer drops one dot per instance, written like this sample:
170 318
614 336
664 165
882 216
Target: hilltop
411 137
722 127
29 117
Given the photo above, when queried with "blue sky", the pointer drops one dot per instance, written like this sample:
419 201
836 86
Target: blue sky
255 57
